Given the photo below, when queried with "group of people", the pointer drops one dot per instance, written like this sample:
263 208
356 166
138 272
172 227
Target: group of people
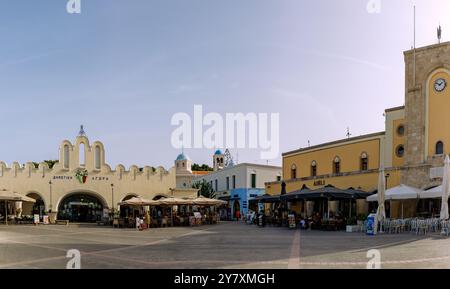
282 218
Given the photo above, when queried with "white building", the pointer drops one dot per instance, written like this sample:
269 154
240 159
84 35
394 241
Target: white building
239 183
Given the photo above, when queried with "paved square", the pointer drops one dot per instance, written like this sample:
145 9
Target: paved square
227 245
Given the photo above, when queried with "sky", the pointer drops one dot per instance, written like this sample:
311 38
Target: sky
124 68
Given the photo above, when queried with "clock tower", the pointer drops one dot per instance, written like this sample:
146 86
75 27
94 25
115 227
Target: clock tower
427 113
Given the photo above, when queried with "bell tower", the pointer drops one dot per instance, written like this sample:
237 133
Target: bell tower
218 160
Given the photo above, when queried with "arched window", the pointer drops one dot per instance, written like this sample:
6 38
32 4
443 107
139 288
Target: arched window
293 171
97 158
336 165
400 151
82 155
364 162
66 156
439 148
314 169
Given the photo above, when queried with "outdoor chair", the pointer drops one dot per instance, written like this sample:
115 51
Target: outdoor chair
445 227
413 226
386 226
395 227
422 227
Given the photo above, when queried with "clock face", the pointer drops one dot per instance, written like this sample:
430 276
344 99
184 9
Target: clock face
440 85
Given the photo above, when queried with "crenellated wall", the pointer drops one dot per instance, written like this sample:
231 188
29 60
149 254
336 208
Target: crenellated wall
109 186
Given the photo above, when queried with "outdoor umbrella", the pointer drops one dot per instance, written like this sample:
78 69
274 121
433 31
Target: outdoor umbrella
445 189
175 201
296 195
381 213
202 201
138 201
398 193
8 196
401 192
433 193
170 202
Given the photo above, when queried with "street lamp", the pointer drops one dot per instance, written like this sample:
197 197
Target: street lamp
51 200
112 196
387 177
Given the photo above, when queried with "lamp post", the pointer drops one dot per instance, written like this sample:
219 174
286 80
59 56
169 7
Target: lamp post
51 199
112 197
387 177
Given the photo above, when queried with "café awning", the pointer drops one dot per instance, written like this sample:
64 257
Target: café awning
297 195
203 201
138 201
402 192
14 197
432 193
266 199
175 202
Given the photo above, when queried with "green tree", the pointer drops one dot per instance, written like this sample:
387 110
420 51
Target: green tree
205 189
201 168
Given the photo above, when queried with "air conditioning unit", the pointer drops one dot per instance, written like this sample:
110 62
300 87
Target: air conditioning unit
437 172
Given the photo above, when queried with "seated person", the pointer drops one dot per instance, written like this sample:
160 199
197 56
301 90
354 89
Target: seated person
302 224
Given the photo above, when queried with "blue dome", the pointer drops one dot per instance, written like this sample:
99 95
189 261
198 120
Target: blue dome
182 157
218 152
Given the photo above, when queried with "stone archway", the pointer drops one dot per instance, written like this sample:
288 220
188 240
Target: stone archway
38 208
82 206
158 197
126 210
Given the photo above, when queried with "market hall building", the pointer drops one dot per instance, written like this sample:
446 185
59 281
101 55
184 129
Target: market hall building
82 187
411 149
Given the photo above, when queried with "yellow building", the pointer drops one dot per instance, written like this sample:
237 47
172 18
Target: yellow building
411 148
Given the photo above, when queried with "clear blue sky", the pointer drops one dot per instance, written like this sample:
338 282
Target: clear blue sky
123 68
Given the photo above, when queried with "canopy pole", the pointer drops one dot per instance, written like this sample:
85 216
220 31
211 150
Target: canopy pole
402 209
6 213
350 208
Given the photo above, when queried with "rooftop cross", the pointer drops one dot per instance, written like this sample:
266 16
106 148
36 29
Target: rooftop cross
82 132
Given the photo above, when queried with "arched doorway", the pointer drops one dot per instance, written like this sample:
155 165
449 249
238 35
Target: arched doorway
81 207
237 209
37 208
126 211
158 197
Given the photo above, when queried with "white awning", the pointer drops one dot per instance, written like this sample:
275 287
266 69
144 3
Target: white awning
401 192
433 193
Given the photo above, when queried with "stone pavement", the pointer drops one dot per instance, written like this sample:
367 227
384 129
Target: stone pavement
227 245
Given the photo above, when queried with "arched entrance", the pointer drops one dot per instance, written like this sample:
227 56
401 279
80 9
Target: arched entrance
126 211
81 207
237 209
158 197
37 208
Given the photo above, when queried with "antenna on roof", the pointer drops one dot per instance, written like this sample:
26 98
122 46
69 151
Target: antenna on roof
414 49
439 33
348 133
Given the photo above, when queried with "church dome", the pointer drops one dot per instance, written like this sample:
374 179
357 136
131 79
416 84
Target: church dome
182 157
218 152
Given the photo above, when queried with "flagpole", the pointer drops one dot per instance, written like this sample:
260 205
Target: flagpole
414 48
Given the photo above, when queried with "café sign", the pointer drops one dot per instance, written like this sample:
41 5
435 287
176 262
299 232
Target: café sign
318 183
